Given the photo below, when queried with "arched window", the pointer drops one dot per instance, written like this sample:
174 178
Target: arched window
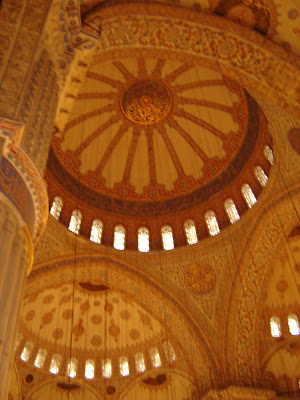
293 324
167 238
269 154
40 358
261 176
275 327
143 240
27 351
75 222
119 237
106 368
124 366
155 358
212 223
56 207
190 232
55 364
89 369
18 340
168 349
72 367
231 211
248 195
139 362
96 231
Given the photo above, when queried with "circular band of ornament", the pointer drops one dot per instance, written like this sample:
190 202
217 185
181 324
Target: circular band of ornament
146 102
199 278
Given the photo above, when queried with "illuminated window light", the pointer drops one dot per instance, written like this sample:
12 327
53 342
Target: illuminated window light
212 223
139 362
248 195
155 358
119 237
55 364
269 154
169 351
96 231
261 176
167 237
75 222
143 240
275 327
190 232
72 367
231 211
124 366
293 324
106 368
89 369
40 358
56 207
27 351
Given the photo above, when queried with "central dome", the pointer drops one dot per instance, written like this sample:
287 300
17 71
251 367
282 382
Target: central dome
146 102
151 137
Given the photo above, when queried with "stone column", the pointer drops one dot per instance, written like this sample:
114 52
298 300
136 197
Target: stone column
16 252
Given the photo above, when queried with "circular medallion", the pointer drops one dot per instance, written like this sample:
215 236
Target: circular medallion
199 278
146 102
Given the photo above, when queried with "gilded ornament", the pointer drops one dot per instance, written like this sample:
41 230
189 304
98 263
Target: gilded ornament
146 102
199 278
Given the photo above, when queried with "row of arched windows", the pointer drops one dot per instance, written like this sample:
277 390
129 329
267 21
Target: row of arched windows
293 323
166 231
72 366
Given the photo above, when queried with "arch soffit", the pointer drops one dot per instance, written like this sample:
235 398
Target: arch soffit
117 274
271 225
266 67
145 375
53 380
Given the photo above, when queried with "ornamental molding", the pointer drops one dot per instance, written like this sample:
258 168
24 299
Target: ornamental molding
10 138
244 55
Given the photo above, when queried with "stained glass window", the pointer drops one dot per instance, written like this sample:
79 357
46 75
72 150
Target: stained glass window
119 237
269 154
143 239
167 237
40 358
89 369
56 207
248 195
155 358
96 231
72 367
168 349
275 327
190 232
75 222
124 366
27 351
106 368
261 176
212 223
294 324
231 211
139 362
55 364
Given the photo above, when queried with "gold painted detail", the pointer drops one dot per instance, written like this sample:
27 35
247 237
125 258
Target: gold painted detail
146 102
199 278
